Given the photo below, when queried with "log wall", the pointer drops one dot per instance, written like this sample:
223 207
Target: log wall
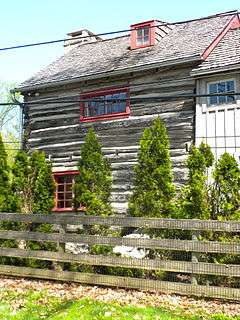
56 128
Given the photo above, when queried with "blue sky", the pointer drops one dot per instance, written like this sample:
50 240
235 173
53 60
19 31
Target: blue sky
26 21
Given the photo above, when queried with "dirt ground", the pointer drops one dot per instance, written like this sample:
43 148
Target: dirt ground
73 291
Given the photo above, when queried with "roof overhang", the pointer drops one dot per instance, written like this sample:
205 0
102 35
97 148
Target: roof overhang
186 60
201 73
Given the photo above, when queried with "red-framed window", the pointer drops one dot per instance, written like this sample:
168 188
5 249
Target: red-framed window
143 34
105 104
64 190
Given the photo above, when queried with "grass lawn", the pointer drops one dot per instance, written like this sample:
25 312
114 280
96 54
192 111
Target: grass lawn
40 305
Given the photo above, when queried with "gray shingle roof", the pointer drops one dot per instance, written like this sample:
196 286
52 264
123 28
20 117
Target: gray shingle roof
183 41
226 53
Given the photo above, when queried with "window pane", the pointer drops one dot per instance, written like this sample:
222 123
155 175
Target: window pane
122 104
93 105
139 33
145 40
86 109
68 204
60 179
213 88
222 99
109 104
213 100
230 86
101 106
68 195
230 98
116 102
69 187
60 187
222 87
60 204
60 196
68 179
146 31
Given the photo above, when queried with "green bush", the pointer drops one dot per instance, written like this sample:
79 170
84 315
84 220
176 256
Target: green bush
154 191
193 201
93 185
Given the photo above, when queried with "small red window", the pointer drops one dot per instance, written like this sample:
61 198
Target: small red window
103 105
143 34
64 190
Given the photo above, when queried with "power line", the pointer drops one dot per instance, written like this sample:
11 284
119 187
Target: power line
229 13
138 99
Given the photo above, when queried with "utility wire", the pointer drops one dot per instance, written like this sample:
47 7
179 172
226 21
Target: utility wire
229 13
169 97
137 99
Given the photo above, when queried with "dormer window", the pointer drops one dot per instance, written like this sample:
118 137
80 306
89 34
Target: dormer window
143 34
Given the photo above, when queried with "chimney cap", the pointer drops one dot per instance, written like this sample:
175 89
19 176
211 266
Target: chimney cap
81 33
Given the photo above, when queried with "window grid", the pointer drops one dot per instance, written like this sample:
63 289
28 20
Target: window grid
227 86
109 103
64 191
143 36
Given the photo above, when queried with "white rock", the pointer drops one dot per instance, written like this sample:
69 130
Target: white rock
132 252
76 248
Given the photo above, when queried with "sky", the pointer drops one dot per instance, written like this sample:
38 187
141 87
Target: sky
28 21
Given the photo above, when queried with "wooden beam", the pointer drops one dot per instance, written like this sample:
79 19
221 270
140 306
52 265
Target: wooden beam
229 270
125 282
164 244
125 221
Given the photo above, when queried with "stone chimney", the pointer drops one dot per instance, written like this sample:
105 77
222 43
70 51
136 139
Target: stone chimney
79 37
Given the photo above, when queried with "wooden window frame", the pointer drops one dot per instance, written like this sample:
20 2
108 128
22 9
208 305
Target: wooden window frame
152 34
107 116
60 174
226 102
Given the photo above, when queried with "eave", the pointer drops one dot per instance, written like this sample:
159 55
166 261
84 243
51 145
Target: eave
219 69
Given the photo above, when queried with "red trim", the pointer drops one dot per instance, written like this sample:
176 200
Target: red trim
96 93
108 116
65 173
233 23
57 174
152 30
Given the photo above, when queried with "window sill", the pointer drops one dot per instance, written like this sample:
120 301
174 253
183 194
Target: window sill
222 105
81 209
105 117
142 46
62 209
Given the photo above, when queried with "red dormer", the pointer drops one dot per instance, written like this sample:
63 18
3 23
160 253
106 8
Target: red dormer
143 34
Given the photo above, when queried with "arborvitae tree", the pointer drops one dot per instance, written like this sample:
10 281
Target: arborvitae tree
4 177
23 181
154 191
225 194
7 200
44 186
33 183
34 186
93 184
194 196
206 151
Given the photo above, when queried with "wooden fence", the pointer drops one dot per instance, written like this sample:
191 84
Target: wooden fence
191 268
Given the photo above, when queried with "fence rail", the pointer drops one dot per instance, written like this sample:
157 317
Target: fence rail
179 268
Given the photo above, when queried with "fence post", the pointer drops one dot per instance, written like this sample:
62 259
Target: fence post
58 266
195 256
